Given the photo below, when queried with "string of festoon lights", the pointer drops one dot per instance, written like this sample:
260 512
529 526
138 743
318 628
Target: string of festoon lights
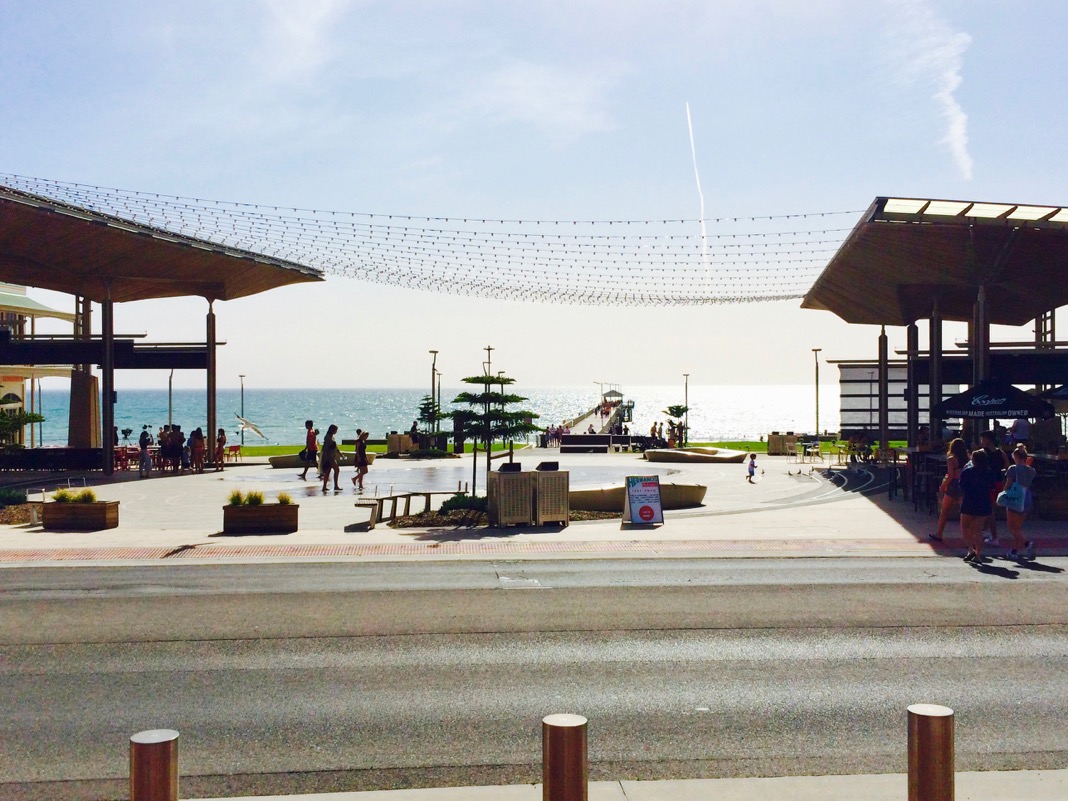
596 262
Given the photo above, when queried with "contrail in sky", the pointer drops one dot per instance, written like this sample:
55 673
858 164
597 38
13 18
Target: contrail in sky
700 194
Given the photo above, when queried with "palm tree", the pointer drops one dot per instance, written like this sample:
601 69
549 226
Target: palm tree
677 411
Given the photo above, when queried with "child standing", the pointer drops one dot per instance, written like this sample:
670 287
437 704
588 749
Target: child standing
752 468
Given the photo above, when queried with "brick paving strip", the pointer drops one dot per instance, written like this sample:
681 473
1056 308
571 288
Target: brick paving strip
475 548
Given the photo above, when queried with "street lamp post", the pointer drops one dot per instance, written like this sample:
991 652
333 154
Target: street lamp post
816 356
686 414
242 377
433 376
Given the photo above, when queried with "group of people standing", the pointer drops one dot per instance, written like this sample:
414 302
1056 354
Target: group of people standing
177 453
977 482
327 459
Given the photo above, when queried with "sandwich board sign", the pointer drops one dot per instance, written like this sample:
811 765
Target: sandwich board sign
641 503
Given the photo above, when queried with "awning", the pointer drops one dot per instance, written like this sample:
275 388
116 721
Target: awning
14 303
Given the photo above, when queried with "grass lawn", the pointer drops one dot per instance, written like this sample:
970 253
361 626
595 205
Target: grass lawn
739 445
280 450
762 447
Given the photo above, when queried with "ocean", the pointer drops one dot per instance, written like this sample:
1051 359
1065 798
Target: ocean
724 412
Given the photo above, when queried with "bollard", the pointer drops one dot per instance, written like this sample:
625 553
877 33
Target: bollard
564 769
154 765
931 755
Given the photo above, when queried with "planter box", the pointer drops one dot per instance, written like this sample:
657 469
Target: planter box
80 516
267 518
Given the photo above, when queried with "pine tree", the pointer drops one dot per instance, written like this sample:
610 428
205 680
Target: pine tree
429 414
488 418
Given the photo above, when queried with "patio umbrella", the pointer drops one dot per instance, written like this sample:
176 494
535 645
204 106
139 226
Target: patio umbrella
993 399
246 425
1058 396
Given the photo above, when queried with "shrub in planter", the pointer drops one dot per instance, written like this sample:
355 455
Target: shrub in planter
79 512
465 502
249 514
12 497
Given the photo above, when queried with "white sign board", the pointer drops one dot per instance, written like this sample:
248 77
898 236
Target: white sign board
642 502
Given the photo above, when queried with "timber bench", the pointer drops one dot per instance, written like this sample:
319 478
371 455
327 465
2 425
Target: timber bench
375 508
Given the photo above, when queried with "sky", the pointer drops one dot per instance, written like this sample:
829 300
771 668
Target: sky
540 110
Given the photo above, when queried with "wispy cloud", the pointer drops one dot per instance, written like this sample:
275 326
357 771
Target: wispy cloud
298 36
933 55
563 103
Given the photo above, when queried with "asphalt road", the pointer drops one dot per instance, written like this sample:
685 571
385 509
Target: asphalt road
317 677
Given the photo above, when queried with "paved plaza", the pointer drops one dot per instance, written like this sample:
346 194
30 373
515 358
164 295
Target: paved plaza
799 509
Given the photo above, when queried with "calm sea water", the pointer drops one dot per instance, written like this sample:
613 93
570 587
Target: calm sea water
716 412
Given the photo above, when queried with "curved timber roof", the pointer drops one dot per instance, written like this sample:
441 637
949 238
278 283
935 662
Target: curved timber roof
907 253
70 249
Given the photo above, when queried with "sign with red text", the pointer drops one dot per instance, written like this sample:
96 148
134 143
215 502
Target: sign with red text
642 504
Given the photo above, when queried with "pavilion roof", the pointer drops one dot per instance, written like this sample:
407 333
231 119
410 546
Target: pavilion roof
58 246
907 253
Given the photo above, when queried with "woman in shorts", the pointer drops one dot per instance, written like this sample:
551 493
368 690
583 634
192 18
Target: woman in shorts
1021 473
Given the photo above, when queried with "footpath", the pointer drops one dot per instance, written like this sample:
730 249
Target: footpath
793 510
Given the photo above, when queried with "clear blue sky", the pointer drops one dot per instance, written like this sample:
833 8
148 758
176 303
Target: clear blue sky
563 110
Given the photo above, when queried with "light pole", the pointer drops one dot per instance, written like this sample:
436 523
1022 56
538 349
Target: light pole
242 377
816 356
686 414
433 376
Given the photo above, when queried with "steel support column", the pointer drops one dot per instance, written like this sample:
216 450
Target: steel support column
884 392
209 435
934 384
912 389
107 381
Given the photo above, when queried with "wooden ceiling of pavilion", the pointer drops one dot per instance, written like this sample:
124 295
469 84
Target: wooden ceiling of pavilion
905 253
75 250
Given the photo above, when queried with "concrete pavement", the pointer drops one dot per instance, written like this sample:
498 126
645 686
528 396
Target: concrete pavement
793 509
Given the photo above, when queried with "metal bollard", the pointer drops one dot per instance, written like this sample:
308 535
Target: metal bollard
931 755
154 765
564 769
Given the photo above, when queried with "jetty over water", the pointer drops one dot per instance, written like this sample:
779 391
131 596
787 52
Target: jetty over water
606 417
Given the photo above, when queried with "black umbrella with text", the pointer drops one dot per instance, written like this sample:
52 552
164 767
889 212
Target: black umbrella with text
992 399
